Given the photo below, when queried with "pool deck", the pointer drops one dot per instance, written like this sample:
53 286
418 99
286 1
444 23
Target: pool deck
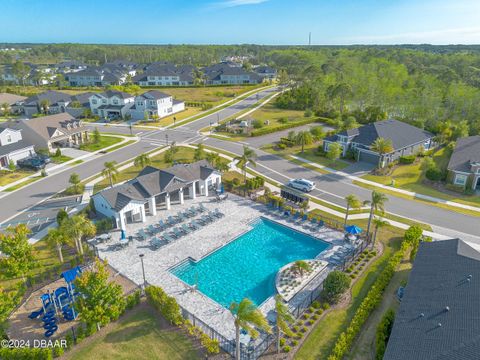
239 213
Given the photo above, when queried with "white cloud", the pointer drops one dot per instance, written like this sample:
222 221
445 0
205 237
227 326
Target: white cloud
234 3
466 35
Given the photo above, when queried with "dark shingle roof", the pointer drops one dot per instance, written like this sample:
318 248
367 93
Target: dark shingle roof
155 94
401 134
119 94
466 152
7 149
439 278
52 96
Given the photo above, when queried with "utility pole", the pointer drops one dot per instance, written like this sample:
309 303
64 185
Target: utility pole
309 38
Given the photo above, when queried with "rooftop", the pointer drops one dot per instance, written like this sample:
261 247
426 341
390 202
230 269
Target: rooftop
466 152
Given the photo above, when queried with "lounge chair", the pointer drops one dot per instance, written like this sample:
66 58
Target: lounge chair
206 218
202 208
168 238
171 220
178 232
321 224
194 225
295 216
313 224
202 221
142 235
162 225
155 242
152 229
192 211
212 215
186 229
217 213
303 219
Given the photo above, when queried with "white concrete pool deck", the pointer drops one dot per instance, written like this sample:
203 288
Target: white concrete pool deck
239 213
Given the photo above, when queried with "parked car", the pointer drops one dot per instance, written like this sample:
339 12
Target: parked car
33 163
45 158
302 184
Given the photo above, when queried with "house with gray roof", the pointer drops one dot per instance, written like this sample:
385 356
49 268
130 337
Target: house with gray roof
406 140
109 74
155 104
464 165
13 147
439 315
12 101
111 104
225 74
155 189
50 132
266 72
165 74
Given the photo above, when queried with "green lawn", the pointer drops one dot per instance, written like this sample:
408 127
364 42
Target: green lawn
184 154
105 141
189 111
209 94
323 337
310 153
60 159
140 334
411 177
7 177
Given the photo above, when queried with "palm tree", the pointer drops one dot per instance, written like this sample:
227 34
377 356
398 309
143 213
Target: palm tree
352 203
300 266
248 157
5 107
378 223
382 146
304 138
142 160
44 105
110 171
57 238
76 227
247 317
199 153
213 158
377 203
283 318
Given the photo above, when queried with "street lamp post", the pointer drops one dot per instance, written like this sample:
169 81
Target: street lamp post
174 120
143 272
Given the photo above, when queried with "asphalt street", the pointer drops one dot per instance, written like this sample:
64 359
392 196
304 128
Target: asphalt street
330 187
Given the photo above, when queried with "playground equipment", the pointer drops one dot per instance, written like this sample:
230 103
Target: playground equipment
58 301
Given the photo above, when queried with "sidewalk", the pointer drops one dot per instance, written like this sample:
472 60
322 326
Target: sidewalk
390 188
61 167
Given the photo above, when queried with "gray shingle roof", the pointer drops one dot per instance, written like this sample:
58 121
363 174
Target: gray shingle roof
467 151
10 98
401 134
51 95
155 94
7 149
439 278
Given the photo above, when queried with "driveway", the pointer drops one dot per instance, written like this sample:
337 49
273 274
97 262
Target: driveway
359 168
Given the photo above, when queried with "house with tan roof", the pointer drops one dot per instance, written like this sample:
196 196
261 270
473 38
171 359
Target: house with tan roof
49 132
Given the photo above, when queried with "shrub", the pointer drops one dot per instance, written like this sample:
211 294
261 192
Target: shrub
211 345
286 348
282 341
369 303
26 353
281 146
315 317
384 329
80 333
296 328
434 174
335 285
165 304
316 304
308 113
283 120
103 225
294 342
326 306
57 351
407 159
133 299
257 124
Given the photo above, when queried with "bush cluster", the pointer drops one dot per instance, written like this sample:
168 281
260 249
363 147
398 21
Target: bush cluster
255 183
26 353
371 301
166 305
384 329
407 159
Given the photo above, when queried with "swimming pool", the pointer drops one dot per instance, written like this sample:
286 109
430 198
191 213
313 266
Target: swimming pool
246 267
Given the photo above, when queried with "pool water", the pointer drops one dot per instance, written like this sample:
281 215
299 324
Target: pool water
247 266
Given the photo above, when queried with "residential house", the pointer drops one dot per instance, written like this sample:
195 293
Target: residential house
37 75
50 132
464 165
266 72
165 74
155 189
70 66
11 101
439 313
406 140
13 147
55 102
155 103
98 76
225 74
111 104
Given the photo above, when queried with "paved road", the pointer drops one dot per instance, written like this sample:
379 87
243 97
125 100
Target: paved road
331 187
28 196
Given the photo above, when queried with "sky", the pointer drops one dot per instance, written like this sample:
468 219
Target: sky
266 22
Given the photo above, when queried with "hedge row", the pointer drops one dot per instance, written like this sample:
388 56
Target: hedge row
166 305
384 330
269 130
371 301
26 353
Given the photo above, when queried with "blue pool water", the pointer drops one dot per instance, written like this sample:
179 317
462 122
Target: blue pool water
247 266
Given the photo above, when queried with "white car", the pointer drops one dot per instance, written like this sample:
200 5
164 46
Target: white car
302 184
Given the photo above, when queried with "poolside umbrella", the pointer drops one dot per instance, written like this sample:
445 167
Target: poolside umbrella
353 229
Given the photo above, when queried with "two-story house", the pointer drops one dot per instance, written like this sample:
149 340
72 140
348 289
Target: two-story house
111 104
13 147
154 103
225 74
165 74
50 132
464 165
405 138
266 72
54 102
97 76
